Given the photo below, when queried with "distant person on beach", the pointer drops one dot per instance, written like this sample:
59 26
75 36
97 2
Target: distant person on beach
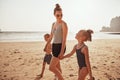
82 53
47 57
58 34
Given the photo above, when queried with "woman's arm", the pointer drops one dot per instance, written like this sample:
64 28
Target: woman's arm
65 31
71 53
51 36
86 53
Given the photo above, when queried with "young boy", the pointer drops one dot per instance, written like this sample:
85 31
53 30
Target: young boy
47 57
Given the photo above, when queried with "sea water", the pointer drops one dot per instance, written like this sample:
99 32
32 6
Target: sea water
39 36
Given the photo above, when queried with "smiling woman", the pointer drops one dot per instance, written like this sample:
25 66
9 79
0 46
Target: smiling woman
59 32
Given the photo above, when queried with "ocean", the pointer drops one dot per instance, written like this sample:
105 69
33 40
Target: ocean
38 36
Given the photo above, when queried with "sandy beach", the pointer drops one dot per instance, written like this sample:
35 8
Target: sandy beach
23 60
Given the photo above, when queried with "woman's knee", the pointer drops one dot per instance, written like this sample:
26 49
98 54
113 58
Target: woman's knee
51 68
53 63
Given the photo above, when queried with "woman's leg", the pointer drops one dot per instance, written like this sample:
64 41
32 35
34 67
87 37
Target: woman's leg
82 73
59 67
54 69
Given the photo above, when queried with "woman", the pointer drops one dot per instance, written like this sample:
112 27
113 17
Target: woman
58 34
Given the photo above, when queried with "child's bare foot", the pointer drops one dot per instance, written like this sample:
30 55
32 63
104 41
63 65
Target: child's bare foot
39 77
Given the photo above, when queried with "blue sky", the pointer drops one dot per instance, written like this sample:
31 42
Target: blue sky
37 15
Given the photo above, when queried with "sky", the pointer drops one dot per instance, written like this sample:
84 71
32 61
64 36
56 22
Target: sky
37 15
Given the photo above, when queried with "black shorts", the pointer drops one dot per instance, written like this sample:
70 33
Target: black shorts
56 48
47 58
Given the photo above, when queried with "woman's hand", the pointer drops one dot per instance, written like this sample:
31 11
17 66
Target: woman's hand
60 55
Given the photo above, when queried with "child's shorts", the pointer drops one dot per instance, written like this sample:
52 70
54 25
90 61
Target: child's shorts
47 58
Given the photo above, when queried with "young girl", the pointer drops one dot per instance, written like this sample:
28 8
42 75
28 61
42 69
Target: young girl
82 54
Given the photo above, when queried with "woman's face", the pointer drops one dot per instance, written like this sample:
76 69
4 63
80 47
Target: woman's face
58 15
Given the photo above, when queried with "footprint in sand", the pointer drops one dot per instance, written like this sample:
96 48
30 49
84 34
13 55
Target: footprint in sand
5 71
6 64
26 74
16 51
19 58
109 76
105 60
104 64
5 75
14 78
112 62
94 67
22 64
37 63
108 69
71 75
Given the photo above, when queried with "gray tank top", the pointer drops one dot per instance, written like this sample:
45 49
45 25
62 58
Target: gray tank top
58 34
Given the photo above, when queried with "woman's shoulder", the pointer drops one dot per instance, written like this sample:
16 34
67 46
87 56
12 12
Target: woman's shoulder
53 23
63 22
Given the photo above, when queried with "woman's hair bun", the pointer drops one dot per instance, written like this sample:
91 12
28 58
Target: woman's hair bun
57 6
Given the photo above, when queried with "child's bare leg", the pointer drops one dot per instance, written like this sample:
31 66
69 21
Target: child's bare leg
82 73
54 69
43 69
42 72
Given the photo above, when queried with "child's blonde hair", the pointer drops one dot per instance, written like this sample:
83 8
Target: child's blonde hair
87 34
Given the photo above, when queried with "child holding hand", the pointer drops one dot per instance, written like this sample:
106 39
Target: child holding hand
82 54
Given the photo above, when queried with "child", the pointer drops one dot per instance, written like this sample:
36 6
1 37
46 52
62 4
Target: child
82 54
47 57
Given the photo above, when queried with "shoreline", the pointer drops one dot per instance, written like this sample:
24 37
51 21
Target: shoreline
44 41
